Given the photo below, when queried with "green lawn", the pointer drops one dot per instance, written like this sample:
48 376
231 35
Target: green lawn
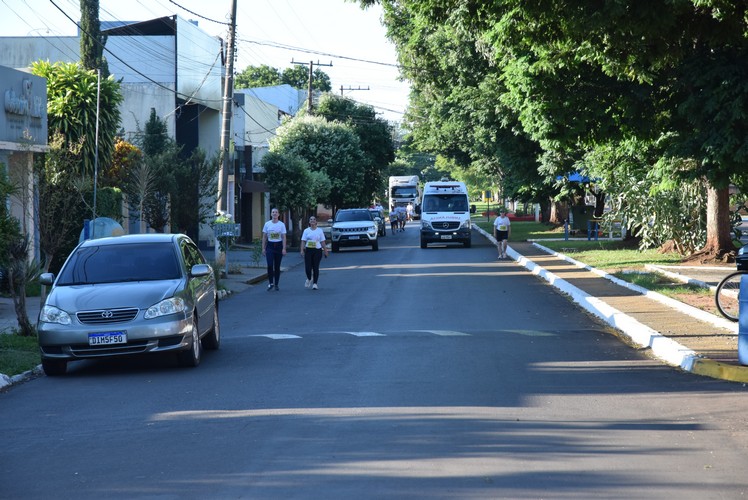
18 354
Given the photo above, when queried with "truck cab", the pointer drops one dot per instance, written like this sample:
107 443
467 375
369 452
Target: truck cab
445 214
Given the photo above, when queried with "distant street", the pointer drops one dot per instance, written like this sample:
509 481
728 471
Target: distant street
411 373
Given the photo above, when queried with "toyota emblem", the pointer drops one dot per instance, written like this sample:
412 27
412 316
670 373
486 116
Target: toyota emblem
106 314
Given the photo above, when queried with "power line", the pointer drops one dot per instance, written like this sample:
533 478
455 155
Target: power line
176 93
199 15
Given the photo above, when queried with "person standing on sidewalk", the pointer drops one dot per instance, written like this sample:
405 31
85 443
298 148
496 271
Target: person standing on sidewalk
502 229
313 245
274 247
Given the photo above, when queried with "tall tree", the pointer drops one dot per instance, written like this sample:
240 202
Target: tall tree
257 76
298 77
92 41
167 189
574 76
71 110
374 133
329 147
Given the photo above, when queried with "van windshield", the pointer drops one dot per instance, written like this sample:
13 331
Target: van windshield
445 203
404 192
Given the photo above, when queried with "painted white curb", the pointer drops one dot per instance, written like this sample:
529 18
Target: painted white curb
675 304
661 346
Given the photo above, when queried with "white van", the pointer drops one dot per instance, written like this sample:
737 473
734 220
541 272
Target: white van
445 214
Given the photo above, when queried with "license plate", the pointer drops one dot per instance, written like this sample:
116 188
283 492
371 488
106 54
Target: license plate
446 236
353 237
107 338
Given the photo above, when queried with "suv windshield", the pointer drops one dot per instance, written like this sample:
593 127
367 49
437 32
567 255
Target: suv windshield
352 215
118 263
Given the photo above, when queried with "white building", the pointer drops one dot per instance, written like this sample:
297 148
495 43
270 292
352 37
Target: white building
23 132
166 64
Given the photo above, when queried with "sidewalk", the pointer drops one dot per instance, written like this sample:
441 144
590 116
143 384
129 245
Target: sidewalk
678 334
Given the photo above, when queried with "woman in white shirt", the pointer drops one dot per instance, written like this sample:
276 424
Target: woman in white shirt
274 247
313 245
502 229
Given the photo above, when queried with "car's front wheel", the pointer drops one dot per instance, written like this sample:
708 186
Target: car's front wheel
375 245
192 355
212 341
335 246
54 367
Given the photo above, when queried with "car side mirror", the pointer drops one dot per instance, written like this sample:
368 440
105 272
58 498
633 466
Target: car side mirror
199 270
47 279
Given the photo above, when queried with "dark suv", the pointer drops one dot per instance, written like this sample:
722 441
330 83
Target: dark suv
379 219
354 227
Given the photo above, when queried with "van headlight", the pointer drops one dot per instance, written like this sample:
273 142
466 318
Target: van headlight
465 224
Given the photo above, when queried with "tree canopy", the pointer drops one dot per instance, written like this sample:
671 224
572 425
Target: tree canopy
71 110
296 76
329 147
507 87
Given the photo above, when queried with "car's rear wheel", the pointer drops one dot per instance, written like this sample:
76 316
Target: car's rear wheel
212 341
54 367
192 355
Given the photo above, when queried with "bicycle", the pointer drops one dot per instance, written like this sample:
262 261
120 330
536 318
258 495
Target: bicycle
727 297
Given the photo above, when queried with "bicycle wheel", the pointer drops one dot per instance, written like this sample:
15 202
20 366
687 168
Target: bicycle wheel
727 297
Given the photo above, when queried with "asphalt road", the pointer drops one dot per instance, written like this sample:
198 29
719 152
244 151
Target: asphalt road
437 373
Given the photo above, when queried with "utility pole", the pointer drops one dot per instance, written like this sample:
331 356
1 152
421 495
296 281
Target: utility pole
311 76
351 88
228 97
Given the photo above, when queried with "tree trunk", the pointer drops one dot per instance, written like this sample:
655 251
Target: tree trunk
17 286
559 213
719 245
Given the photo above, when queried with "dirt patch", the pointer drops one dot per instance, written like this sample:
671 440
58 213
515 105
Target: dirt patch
700 301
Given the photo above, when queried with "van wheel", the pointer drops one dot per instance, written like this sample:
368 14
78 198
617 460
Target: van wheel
423 243
468 243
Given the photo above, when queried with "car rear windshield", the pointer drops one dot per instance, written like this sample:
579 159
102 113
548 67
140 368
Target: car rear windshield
353 215
120 263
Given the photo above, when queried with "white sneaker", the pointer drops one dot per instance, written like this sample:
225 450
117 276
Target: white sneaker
314 287
307 283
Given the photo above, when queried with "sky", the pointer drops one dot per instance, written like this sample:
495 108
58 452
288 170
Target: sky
272 32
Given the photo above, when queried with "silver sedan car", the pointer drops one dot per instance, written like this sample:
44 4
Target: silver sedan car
129 295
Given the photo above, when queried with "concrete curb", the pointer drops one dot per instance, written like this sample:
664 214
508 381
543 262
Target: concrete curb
661 346
680 306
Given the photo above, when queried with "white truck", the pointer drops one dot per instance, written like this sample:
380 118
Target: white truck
405 190
445 214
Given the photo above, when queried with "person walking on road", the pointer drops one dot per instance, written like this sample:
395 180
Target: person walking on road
313 245
274 247
502 229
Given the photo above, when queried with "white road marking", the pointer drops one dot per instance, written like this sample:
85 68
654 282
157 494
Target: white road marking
366 334
445 333
277 336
